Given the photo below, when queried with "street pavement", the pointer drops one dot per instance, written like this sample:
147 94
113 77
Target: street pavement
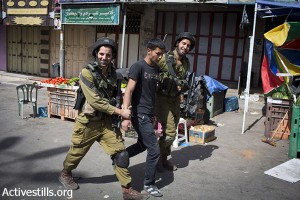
229 168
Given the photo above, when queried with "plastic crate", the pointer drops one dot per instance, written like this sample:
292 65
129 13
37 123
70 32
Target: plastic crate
215 104
61 103
294 148
275 111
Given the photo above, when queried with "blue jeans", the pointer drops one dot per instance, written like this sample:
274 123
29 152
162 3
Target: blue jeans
143 125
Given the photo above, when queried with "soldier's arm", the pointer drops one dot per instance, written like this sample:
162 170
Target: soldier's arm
96 101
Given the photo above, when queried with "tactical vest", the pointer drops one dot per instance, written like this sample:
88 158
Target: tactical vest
168 79
107 88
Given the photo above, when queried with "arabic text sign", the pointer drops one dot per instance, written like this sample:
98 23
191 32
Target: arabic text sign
91 15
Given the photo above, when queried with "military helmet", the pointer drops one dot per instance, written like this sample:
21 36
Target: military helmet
186 35
104 41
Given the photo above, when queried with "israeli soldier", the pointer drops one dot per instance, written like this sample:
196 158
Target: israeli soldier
172 83
98 82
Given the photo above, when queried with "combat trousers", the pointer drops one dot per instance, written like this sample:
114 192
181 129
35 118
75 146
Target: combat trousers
84 136
143 125
167 110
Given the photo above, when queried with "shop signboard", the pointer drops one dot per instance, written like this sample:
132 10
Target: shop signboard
32 13
96 14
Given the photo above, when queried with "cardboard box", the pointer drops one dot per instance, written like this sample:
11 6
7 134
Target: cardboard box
202 134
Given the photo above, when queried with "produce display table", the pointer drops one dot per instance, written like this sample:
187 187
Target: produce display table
61 101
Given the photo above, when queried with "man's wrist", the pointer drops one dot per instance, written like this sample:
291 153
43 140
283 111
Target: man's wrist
126 107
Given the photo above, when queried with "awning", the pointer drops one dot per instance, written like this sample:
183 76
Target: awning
272 8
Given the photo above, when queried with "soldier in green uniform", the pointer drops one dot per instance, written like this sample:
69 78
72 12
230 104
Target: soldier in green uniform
172 83
98 82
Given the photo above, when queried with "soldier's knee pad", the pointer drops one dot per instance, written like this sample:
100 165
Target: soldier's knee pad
121 159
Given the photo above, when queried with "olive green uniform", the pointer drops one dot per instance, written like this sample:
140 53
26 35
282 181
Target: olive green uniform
94 124
167 106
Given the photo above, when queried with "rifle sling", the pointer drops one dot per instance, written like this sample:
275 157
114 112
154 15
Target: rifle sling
98 76
88 83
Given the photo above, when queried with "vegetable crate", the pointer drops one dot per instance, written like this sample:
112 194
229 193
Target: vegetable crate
294 148
202 134
276 110
61 103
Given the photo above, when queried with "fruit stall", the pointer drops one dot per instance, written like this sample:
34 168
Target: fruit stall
61 97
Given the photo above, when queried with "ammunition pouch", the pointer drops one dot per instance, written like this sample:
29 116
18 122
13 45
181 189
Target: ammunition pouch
89 110
80 98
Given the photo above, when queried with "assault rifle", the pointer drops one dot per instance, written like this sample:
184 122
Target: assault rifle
191 82
116 120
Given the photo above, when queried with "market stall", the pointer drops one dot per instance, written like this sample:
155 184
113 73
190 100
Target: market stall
61 97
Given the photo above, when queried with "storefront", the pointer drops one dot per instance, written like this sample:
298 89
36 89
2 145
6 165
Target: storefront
27 35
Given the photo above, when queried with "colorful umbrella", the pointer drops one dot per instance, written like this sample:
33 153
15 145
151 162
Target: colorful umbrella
281 55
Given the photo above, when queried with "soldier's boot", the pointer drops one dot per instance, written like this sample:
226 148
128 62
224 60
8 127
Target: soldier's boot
130 194
168 165
67 180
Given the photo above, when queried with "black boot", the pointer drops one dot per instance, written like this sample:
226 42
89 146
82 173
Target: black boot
168 165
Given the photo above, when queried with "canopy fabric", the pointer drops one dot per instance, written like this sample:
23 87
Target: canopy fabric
213 85
281 55
275 8
283 3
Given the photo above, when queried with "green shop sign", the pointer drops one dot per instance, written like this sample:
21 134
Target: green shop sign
91 14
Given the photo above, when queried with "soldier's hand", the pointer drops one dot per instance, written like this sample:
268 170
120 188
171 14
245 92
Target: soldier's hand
126 113
179 88
125 125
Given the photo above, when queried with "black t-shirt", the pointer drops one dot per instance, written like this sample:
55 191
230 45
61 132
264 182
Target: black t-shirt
143 96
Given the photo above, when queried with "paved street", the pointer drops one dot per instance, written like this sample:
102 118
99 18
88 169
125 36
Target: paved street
228 168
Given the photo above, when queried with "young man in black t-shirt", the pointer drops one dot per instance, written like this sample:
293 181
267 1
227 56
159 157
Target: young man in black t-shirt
140 95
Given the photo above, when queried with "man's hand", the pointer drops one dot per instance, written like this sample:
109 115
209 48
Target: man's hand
125 125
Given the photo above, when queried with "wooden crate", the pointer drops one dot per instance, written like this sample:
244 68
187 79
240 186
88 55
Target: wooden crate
61 102
275 111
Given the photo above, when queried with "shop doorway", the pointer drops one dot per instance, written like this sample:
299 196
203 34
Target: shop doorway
28 50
